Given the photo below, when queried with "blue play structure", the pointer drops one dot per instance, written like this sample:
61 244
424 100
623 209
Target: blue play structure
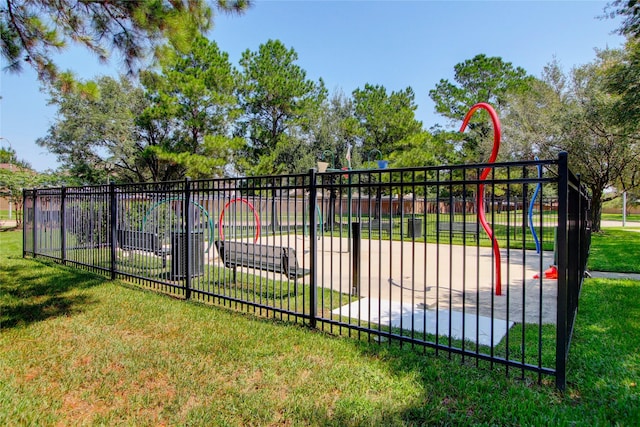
531 205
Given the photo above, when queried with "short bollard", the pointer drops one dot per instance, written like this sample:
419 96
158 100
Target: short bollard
355 259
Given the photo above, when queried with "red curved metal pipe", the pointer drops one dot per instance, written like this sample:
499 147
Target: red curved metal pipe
483 176
255 217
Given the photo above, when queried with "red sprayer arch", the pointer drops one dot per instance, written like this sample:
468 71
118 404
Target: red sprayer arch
483 176
255 217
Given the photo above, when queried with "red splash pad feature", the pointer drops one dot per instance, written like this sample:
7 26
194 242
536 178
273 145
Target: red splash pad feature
549 273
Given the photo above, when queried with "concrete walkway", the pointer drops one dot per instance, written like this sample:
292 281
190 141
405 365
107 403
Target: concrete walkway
612 275
632 226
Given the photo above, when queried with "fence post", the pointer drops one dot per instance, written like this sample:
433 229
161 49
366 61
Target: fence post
63 233
113 219
34 232
188 240
579 267
563 219
313 310
582 227
24 223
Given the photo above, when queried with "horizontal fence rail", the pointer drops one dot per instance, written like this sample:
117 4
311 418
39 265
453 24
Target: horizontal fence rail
388 255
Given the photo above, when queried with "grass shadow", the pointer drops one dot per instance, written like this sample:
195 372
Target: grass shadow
36 291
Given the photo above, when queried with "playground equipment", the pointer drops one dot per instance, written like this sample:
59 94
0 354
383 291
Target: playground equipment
483 176
549 273
324 166
552 271
531 206
255 217
151 217
319 223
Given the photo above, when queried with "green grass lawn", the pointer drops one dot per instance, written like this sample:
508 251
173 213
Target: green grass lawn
515 234
4 214
618 217
76 349
615 249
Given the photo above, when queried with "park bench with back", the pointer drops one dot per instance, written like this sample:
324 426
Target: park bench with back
260 257
463 228
143 241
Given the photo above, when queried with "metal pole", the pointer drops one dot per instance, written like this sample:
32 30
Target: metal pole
274 216
63 233
349 212
563 219
113 221
313 291
187 251
355 259
34 232
24 223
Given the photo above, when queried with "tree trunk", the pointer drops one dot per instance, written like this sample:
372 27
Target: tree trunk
596 209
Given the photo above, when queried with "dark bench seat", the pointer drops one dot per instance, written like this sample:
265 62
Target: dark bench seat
261 257
471 228
145 241
378 225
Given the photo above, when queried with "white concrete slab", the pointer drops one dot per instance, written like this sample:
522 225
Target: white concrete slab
408 316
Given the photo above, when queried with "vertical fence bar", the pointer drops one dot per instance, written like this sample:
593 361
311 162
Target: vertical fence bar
187 224
34 232
575 265
274 214
113 219
313 310
63 231
574 278
24 222
579 224
562 249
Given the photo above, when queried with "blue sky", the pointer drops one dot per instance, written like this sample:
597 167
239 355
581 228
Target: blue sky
350 43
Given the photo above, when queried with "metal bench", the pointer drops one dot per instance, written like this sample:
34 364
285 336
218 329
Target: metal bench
261 257
453 228
144 241
377 225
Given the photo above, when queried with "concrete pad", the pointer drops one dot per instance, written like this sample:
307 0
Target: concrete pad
477 329
446 277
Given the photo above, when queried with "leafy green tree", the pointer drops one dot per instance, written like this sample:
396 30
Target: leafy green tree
425 149
385 120
480 79
8 155
534 118
193 100
97 137
32 31
333 129
630 11
17 178
12 181
585 125
277 99
623 80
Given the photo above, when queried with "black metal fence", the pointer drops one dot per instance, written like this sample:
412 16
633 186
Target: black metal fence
407 255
